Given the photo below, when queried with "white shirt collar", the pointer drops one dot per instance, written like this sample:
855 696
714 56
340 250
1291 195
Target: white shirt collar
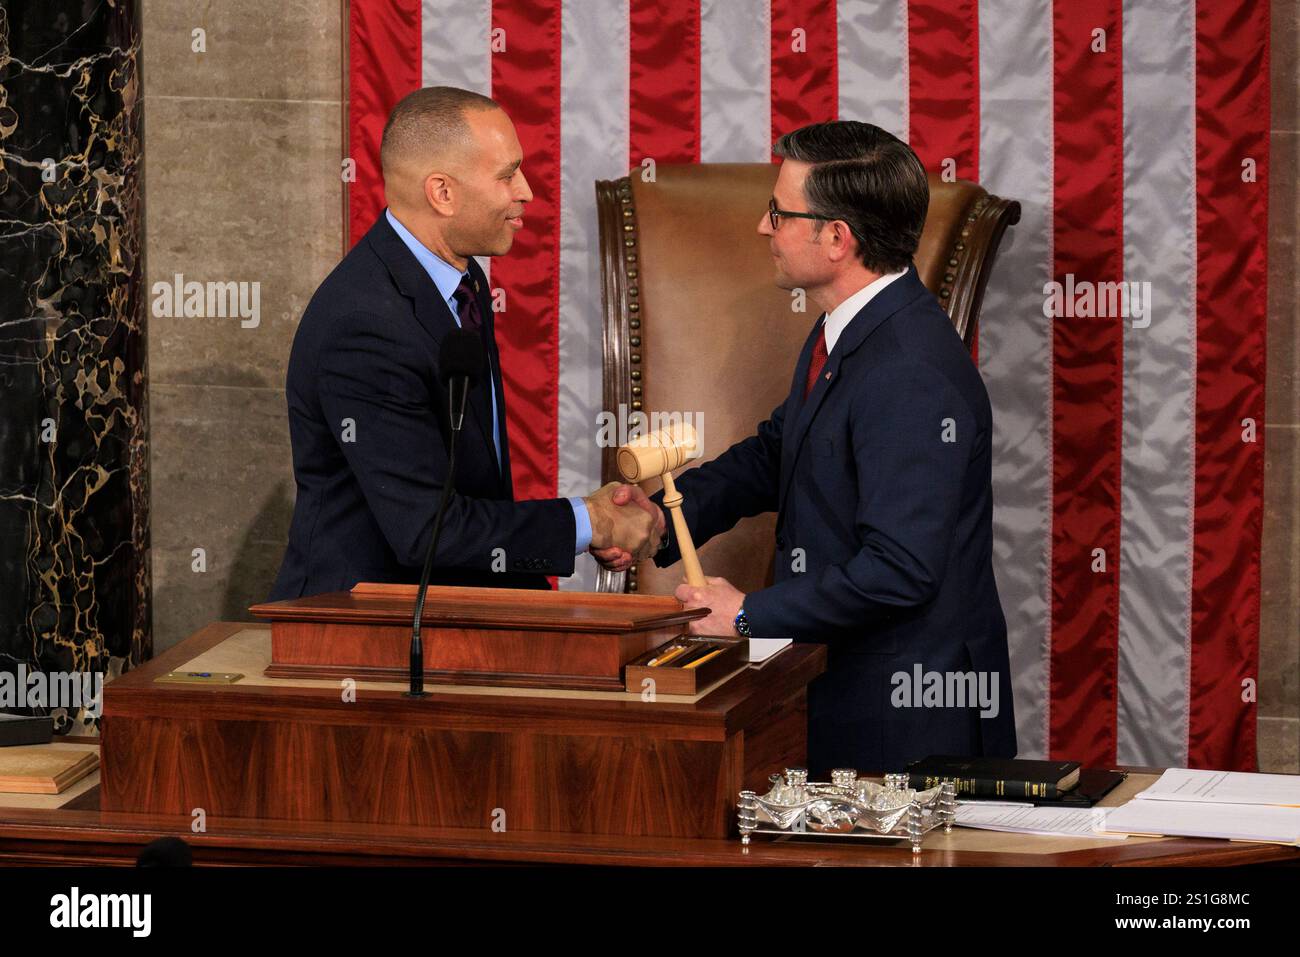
840 316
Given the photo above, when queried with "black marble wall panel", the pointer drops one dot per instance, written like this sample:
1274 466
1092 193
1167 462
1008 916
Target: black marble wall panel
74 570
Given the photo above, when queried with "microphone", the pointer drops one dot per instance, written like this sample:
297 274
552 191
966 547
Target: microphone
460 365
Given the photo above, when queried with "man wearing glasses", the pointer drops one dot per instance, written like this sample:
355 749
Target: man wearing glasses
878 465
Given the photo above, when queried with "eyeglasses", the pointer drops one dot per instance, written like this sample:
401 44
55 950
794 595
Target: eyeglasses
775 214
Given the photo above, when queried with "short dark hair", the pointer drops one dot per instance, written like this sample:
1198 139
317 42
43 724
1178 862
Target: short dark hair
868 178
428 120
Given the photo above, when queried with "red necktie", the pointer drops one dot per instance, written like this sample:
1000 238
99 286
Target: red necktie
818 362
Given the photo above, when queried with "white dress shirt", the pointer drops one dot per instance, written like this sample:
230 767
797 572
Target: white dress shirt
839 318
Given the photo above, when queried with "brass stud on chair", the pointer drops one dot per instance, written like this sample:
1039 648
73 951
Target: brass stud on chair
636 341
636 359
634 323
636 375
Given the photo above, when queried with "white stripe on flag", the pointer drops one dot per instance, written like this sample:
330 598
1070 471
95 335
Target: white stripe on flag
735 82
454 40
873 64
1159 366
1015 348
593 145
454 51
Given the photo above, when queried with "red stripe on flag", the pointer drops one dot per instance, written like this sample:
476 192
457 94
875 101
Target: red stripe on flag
383 66
805 64
664 81
1087 388
943 78
1232 122
526 82
944 85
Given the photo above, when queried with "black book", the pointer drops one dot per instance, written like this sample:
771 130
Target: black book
996 777
17 730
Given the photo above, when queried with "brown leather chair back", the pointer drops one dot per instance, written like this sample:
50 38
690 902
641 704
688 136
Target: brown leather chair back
695 326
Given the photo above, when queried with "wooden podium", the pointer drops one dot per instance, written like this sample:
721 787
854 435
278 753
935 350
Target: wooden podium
496 636
530 728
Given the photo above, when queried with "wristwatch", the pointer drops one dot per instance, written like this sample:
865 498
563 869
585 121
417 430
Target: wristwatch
741 624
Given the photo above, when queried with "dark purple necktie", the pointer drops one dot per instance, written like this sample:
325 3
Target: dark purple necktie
467 305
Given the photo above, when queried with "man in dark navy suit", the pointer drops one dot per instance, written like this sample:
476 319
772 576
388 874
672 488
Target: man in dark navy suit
368 416
878 465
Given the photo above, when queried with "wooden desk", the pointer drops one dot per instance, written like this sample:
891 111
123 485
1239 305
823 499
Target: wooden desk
76 829
78 834
466 756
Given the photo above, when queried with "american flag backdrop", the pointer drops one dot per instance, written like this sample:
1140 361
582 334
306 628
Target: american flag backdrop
1128 453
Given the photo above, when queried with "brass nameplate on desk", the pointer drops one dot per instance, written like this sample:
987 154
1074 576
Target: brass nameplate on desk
200 677
686 664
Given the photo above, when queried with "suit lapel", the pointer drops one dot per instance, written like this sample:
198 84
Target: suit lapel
883 305
794 406
431 310
411 280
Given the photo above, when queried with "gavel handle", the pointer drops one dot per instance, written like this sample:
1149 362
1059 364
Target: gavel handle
690 561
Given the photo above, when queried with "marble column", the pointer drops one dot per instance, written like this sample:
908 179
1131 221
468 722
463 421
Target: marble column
74 532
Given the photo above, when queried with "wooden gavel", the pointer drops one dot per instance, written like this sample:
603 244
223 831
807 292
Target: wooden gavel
658 453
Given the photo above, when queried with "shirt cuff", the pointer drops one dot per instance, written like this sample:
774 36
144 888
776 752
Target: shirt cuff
582 521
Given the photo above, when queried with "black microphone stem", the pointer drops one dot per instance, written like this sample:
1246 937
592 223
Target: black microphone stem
417 646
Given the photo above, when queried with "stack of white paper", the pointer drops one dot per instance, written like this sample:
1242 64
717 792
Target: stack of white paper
1225 787
1075 822
760 649
1225 804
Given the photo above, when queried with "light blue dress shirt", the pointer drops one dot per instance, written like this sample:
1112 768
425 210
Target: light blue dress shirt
446 278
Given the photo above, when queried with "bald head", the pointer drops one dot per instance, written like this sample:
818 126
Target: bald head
428 128
453 173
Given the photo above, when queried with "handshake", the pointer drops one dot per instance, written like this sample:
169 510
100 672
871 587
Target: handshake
626 526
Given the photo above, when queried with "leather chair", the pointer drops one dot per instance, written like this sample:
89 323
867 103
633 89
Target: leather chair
695 325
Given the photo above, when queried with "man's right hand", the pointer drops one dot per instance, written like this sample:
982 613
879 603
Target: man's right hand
618 522
614 558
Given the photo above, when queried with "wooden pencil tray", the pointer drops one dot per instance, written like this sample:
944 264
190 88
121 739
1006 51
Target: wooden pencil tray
670 678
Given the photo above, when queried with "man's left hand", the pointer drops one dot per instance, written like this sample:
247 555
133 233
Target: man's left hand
721 597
